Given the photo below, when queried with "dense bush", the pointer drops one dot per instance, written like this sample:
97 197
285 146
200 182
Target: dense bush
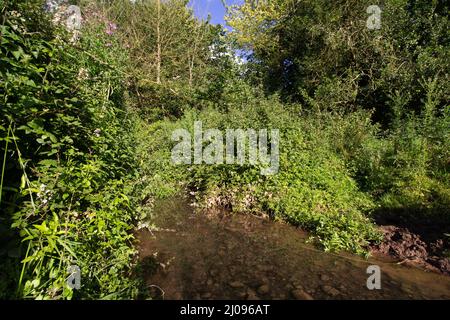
313 188
321 54
68 159
336 168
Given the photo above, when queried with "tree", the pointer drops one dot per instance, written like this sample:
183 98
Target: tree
323 50
166 41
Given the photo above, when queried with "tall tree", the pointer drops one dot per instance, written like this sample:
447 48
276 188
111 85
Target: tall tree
167 42
158 42
324 50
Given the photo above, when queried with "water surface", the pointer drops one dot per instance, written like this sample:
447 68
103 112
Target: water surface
241 256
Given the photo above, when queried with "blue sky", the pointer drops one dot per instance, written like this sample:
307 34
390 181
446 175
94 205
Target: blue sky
217 11
214 7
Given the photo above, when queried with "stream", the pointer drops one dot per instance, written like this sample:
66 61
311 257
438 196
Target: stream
219 255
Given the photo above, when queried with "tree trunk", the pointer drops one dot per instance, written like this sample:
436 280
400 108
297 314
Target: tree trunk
158 54
191 71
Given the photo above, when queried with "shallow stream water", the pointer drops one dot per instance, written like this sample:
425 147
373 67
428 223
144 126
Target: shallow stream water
241 256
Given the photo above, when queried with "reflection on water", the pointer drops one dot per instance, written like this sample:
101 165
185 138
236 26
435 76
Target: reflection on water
223 256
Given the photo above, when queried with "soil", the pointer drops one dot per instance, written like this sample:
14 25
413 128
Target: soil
415 237
414 250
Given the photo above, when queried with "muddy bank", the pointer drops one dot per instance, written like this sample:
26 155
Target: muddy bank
411 249
223 256
415 237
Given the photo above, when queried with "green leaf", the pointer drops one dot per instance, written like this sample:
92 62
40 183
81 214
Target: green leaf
42 228
23 181
17 54
49 163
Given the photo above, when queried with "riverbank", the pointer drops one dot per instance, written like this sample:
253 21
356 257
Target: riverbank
414 249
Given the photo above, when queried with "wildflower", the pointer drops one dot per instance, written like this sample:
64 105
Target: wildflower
82 74
97 132
53 5
111 28
15 14
75 36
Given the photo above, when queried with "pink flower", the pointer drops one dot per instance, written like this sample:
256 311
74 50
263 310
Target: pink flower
111 28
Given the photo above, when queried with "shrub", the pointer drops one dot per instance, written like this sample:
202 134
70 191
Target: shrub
68 160
313 189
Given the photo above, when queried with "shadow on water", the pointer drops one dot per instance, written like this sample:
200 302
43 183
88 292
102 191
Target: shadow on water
223 256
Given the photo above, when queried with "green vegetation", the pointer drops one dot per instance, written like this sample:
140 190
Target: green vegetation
68 160
86 126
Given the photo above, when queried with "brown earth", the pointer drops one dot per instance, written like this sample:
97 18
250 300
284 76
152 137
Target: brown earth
413 249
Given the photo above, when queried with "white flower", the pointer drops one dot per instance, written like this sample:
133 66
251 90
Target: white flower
83 74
